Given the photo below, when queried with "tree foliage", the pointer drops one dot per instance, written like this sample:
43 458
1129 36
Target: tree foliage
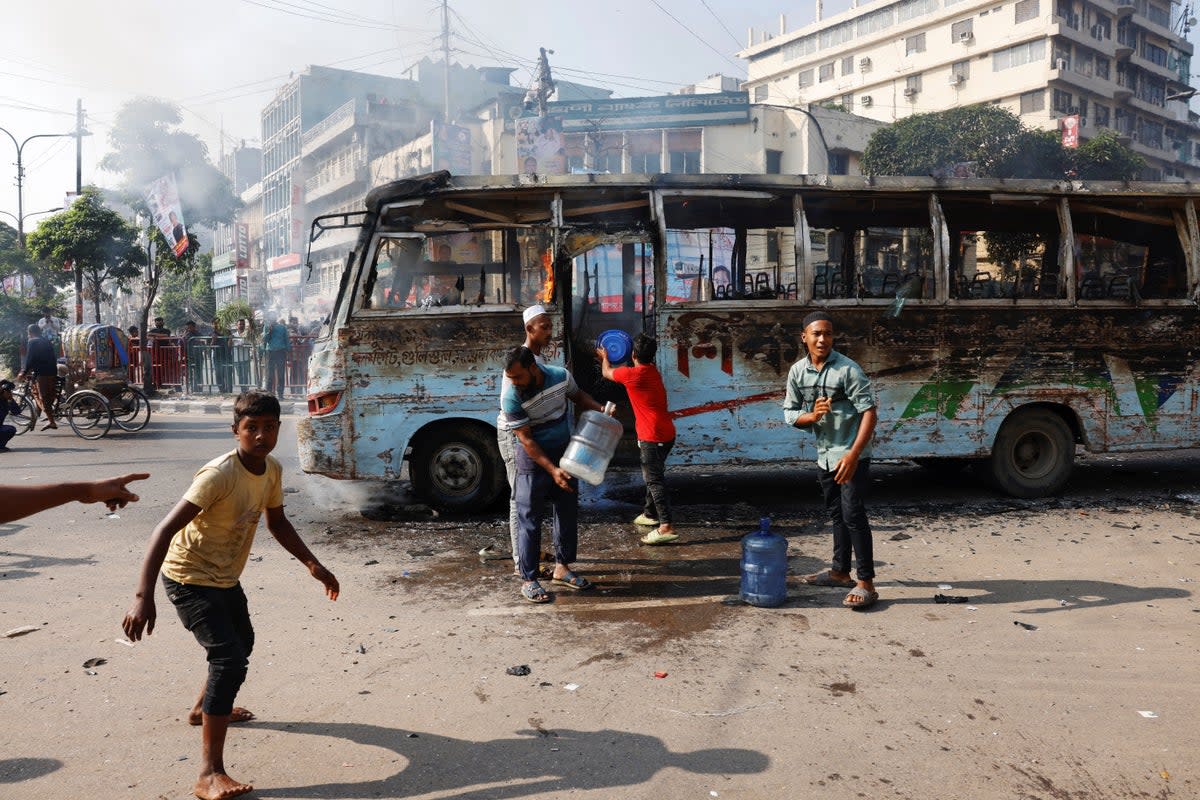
100 242
187 294
147 144
995 144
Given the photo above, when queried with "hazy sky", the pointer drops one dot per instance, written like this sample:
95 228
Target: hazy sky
222 60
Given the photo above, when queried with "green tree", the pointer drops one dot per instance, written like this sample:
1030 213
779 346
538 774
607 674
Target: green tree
187 294
1103 157
45 277
100 242
147 143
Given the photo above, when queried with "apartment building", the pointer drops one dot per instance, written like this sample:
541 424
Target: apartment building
1110 63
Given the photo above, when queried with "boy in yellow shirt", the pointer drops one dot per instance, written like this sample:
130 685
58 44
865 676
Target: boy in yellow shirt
201 548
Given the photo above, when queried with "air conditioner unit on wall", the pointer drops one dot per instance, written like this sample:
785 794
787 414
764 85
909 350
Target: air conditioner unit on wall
910 92
966 36
957 80
864 64
866 101
1060 63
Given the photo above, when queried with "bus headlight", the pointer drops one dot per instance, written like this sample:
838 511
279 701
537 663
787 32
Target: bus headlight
323 403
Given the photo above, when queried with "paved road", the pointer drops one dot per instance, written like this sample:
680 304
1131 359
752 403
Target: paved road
399 689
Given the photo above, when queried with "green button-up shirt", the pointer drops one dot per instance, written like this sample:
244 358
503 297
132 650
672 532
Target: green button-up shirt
849 388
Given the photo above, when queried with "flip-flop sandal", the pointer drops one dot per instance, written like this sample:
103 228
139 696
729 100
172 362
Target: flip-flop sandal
656 537
823 578
534 593
865 599
238 714
573 581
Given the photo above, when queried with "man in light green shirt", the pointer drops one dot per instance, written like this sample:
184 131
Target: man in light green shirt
830 395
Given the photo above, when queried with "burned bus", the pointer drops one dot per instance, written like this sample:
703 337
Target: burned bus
1002 321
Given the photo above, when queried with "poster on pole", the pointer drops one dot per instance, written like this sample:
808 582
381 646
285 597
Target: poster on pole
163 199
540 146
451 148
1070 131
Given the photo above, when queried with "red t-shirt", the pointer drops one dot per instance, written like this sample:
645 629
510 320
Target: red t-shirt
648 397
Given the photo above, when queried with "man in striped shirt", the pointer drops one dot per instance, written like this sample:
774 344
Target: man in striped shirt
533 405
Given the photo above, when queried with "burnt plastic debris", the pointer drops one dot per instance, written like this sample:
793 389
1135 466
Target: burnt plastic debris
521 669
1024 625
949 598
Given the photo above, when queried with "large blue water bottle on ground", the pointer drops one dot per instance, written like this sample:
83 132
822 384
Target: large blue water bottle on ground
764 566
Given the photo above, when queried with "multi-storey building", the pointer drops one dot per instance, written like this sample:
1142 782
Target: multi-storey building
1110 63
230 241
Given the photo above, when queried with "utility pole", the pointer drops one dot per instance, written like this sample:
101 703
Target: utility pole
78 192
446 59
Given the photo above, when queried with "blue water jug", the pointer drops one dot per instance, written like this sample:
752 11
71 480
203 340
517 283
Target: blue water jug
764 567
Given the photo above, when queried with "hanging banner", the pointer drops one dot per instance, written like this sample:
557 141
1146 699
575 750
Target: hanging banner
1070 131
163 199
451 148
540 146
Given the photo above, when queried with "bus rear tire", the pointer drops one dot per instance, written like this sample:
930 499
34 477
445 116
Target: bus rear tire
1034 453
457 468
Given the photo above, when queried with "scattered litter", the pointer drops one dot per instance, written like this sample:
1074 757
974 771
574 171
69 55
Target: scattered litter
256 559
545 683
1166 776
391 630
1187 497
404 574
949 598
364 691
660 674
944 586
519 670
570 687
362 651
411 736
91 672
490 553
112 515
553 749
371 563
1024 625
899 537
1185 580
1064 603
94 662
1127 526
182 758
972 608
713 794
21 631
732 600
1149 714
125 642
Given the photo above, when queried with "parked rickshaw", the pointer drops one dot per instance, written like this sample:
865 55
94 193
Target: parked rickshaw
93 384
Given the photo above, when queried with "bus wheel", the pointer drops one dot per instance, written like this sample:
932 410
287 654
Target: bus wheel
457 468
1034 453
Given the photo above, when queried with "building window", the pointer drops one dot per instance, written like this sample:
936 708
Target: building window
912 85
847 66
806 78
1025 10
839 163
848 102
962 31
760 93
1018 56
914 44
961 70
1102 70
1100 116
1062 102
774 162
645 152
825 73
1033 101
683 149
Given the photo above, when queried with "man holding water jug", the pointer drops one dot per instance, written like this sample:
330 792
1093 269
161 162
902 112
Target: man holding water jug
533 405
830 395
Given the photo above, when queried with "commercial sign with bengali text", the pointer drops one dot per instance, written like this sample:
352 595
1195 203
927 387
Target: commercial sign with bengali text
672 111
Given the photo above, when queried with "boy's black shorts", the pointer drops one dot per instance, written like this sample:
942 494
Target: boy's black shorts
220 621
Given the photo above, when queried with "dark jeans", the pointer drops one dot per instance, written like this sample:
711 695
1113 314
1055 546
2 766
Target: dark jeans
531 492
7 432
654 467
851 530
276 372
220 621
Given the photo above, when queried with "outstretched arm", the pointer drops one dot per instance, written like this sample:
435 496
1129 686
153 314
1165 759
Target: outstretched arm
21 501
283 531
142 613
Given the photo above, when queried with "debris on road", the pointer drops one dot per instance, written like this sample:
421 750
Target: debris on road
94 662
362 651
1024 625
570 687
491 553
950 598
1149 714
899 537
520 669
21 631
660 674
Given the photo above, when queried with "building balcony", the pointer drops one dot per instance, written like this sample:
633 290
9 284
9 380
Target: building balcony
1092 38
324 184
1078 80
1124 8
1147 106
328 129
1153 67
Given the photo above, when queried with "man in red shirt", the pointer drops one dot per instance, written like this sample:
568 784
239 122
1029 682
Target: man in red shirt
655 432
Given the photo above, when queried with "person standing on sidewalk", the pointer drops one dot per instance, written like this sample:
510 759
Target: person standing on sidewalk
655 432
41 365
539 330
830 395
277 342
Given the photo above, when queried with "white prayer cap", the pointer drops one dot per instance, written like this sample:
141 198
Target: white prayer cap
531 312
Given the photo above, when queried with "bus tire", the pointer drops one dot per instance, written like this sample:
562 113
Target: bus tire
457 467
1033 454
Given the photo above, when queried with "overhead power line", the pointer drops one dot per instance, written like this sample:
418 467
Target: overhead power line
697 36
721 22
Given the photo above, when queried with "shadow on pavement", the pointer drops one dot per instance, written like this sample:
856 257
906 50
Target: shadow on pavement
480 770
16 770
1048 595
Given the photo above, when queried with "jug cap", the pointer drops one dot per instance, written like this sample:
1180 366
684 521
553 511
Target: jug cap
610 408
